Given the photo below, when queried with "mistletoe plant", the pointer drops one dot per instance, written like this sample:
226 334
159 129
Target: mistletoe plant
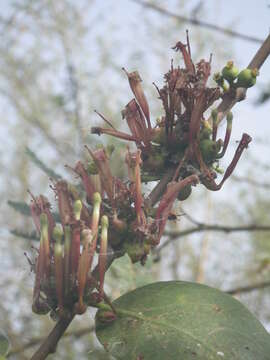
113 216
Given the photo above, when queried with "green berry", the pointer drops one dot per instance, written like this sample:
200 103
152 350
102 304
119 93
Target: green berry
230 72
184 193
209 149
247 78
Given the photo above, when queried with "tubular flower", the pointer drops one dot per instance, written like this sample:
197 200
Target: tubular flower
65 256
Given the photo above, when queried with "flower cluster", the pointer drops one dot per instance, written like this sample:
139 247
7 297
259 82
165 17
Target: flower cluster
114 215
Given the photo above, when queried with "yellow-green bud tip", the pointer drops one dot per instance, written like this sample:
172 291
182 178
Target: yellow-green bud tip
86 236
57 233
96 198
77 208
58 249
43 220
229 64
104 221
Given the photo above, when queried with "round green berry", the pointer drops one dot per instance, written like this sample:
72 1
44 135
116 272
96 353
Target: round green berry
247 78
230 72
184 193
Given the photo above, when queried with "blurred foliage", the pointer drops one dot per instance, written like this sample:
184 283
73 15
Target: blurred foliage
264 95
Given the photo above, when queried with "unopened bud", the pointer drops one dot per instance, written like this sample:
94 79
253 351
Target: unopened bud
58 234
77 208
230 72
247 78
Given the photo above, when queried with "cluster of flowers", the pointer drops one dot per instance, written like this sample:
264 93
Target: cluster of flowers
114 215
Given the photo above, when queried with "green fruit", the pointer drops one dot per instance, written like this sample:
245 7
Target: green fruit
209 149
155 162
159 136
135 252
247 78
205 133
230 72
184 193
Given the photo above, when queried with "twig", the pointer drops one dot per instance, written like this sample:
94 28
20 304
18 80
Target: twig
248 288
50 343
200 23
251 182
207 227
37 340
230 100
159 189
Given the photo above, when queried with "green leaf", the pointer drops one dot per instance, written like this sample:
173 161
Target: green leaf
182 320
24 209
25 235
21 207
4 344
40 164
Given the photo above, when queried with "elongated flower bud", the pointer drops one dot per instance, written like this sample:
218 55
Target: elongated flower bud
67 247
44 241
136 87
58 234
59 274
77 208
214 115
96 212
103 252
83 269
75 251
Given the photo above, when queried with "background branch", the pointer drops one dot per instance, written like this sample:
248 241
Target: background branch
39 339
248 288
200 23
208 227
251 181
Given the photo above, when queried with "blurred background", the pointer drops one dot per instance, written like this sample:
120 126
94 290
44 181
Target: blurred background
60 60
